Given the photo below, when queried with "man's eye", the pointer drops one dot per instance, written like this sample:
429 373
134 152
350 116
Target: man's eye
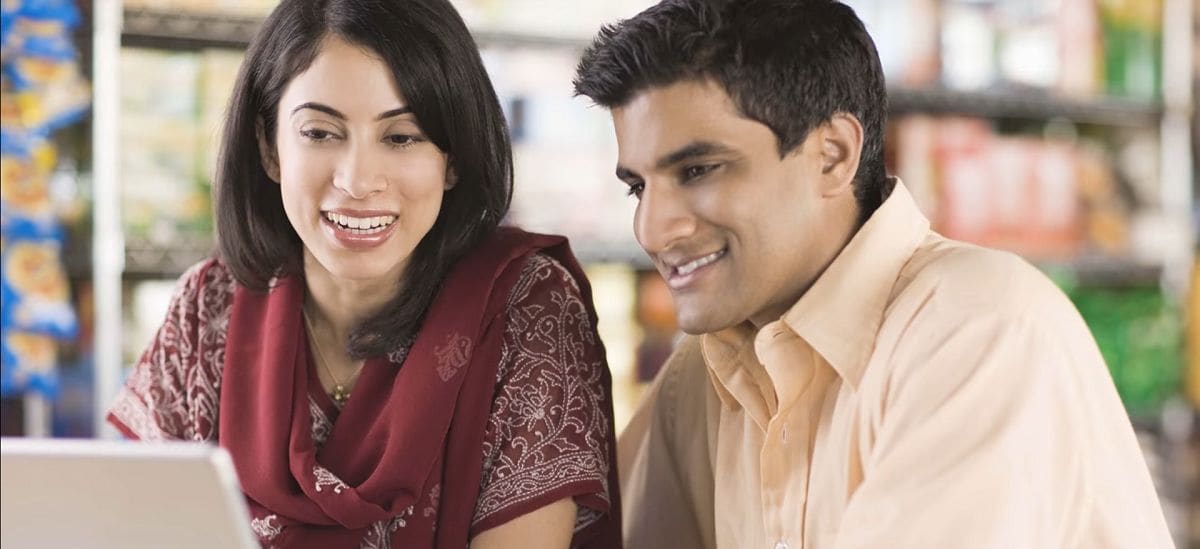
692 172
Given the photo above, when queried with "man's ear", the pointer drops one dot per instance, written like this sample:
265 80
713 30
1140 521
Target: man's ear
841 142
266 152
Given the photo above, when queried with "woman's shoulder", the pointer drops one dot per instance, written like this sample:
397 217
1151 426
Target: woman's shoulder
208 281
541 274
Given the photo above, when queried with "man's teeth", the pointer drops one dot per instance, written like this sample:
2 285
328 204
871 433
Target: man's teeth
366 224
691 266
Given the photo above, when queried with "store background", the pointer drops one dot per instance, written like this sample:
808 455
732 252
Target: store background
1064 130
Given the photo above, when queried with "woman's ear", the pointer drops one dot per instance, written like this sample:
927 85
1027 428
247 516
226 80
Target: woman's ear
266 152
451 176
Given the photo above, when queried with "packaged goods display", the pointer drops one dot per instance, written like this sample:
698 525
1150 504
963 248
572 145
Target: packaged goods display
42 90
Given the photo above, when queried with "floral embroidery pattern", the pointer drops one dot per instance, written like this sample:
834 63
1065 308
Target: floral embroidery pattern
452 356
173 392
435 494
321 426
266 528
379 536
326 478
548 428
399 354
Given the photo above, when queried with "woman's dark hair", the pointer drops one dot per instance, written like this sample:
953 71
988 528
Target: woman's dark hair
788 64
436 66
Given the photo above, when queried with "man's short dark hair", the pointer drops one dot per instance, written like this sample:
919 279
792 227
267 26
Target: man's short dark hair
789 64
437 67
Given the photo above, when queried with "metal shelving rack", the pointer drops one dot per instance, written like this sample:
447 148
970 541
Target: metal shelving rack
113 262
182 30
1026 104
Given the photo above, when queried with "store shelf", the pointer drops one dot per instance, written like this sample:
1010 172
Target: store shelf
515 39
1103 272
191 31
1026 105
146 260
186 31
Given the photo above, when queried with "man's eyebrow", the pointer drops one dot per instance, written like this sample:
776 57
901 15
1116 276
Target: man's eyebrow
690 151
338 114
687 152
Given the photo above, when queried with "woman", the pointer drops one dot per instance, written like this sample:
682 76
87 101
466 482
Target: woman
386 366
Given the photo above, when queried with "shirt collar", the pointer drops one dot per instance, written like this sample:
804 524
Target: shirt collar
840 315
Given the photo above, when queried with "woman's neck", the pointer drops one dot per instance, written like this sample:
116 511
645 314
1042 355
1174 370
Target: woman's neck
337 305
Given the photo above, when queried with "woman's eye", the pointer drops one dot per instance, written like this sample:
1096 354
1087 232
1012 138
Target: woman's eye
635 189
692 172
315 134
401 140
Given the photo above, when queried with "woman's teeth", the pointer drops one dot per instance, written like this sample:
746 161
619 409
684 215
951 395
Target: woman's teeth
691 266
361 225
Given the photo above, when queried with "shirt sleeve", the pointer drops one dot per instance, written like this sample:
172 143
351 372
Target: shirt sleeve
172 391
665 457
549 432
977 443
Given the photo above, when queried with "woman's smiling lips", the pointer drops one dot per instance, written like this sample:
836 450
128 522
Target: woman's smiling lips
359 229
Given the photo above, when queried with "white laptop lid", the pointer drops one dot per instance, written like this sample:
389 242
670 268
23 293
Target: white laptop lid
116 494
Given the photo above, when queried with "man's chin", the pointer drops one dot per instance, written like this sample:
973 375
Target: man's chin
695 319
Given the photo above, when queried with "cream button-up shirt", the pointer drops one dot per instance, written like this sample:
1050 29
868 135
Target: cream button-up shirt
923 393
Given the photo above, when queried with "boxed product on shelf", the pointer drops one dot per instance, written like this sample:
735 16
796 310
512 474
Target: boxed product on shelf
563 19
1193 337
1132 31
968 45
1080 49
906 36
165 198
41 92
614 291
218 72
1140 334
1046 197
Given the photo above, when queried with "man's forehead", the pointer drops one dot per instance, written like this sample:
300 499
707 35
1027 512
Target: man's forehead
661 120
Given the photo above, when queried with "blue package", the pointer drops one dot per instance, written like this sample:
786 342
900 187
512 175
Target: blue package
35 289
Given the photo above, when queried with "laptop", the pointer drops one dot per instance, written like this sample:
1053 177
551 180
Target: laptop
118 494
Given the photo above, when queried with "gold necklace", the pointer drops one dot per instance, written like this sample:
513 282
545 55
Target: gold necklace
339 394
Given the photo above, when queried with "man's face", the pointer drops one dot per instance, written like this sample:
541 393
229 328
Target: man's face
737 232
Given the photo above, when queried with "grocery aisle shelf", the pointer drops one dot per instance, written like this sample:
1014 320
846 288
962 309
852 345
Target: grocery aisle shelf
183 30
148 261
192 31
1027 105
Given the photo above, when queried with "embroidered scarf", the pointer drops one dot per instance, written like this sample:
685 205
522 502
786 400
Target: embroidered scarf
402 465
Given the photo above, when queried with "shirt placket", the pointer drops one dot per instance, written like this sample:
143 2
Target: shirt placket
785 480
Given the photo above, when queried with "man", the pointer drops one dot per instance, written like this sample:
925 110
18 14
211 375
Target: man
857 380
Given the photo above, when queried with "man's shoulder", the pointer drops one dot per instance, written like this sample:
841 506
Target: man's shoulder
957 276
683 381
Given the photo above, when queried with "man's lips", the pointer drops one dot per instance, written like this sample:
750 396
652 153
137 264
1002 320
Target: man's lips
696 264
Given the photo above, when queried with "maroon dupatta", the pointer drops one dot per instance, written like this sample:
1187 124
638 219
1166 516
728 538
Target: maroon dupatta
402 465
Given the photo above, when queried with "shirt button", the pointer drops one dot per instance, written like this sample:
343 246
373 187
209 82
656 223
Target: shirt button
781 545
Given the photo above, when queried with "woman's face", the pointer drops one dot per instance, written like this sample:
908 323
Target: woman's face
361 183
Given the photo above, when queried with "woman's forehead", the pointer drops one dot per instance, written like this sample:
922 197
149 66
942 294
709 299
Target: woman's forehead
348 77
